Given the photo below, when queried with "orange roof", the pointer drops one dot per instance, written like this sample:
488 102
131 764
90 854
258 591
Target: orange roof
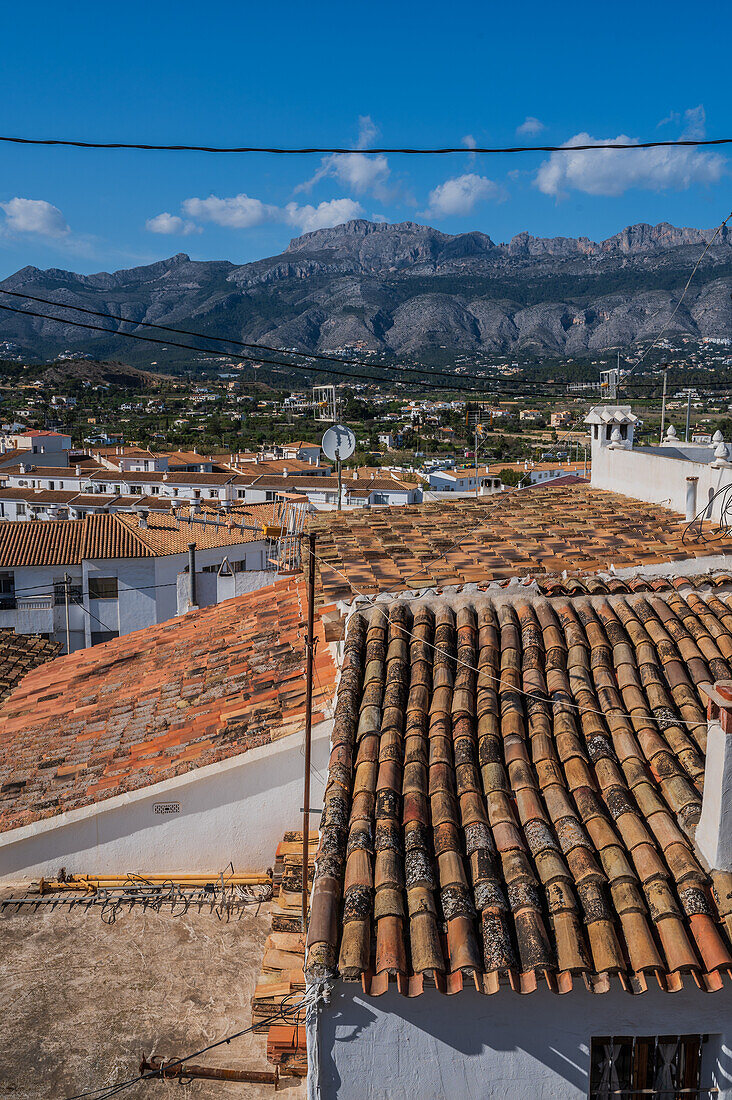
115 535
542 529
162 701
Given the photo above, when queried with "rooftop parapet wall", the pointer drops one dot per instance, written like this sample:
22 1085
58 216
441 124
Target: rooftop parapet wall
655 478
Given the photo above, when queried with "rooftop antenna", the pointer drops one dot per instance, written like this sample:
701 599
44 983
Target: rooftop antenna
338 443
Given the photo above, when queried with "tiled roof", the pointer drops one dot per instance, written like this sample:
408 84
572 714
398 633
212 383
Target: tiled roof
157 703
511 534
114 535
58 471
19 655
511 789
566 479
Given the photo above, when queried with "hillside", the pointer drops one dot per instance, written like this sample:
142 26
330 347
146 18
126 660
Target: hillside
406 289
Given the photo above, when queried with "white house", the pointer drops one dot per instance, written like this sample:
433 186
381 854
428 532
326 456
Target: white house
118 570
463 479
509 896
691 478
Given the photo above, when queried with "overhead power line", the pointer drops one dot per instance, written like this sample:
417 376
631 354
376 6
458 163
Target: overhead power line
320 356
421 383
407 150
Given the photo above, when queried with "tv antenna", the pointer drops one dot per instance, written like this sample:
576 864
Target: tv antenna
338 443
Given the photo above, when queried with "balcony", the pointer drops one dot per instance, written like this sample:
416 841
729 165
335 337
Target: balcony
27 614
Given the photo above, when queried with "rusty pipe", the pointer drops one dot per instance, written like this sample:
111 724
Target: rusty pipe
174 1068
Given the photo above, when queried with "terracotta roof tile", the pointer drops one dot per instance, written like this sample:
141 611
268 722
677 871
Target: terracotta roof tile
156 703
19 655
115 535
536 531
508 793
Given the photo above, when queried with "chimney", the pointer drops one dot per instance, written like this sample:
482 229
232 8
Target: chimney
714 831
284 471
77 470
143 519
691 487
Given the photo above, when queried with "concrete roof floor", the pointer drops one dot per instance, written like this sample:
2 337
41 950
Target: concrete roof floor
88 998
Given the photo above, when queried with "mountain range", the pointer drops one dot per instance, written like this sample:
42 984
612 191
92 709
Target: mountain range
406 290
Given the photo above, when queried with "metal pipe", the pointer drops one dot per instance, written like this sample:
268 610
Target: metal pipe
192 572
310 645
663 399
688 414
67 582
173 1068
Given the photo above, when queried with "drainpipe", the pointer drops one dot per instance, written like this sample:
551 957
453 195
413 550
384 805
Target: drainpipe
714 832
691 488
192 572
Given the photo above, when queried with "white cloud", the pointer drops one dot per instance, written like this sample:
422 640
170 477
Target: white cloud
324 215
244 212
530 125
469 141
238 212
359 172
171 224
458 196
34 216
368 131
605 172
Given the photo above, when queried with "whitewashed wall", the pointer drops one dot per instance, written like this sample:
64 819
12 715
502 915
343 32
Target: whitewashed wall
236 810
655 478
502 1047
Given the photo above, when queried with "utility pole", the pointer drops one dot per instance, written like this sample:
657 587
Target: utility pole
688 414
192 573
309 653
475 455
67 582
664 367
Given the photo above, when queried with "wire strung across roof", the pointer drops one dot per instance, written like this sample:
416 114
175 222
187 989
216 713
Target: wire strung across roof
389 149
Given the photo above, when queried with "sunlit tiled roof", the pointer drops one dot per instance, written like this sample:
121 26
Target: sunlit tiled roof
511 791
117 535
157 703
512 534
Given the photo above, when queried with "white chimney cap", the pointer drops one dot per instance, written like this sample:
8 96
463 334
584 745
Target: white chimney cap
616 436
720 451
717 437
671 432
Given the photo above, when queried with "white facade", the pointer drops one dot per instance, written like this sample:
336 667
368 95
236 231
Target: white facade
147 593
235 811
461 481
506 1046
683 477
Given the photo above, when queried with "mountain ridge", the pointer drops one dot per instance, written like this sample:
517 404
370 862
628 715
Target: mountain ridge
406 289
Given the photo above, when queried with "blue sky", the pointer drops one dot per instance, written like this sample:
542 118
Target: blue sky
334 73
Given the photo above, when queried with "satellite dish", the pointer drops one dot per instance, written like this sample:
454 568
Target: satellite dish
338 443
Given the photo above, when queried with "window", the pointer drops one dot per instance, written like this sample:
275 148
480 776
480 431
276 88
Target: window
241 493
239 566
59 592
103 636
652 1066
103 588
7 591
52 485
20 510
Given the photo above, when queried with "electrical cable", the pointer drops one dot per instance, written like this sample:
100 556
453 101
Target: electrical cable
665 328
113 1090
241 343
664 722
259 360
385 149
